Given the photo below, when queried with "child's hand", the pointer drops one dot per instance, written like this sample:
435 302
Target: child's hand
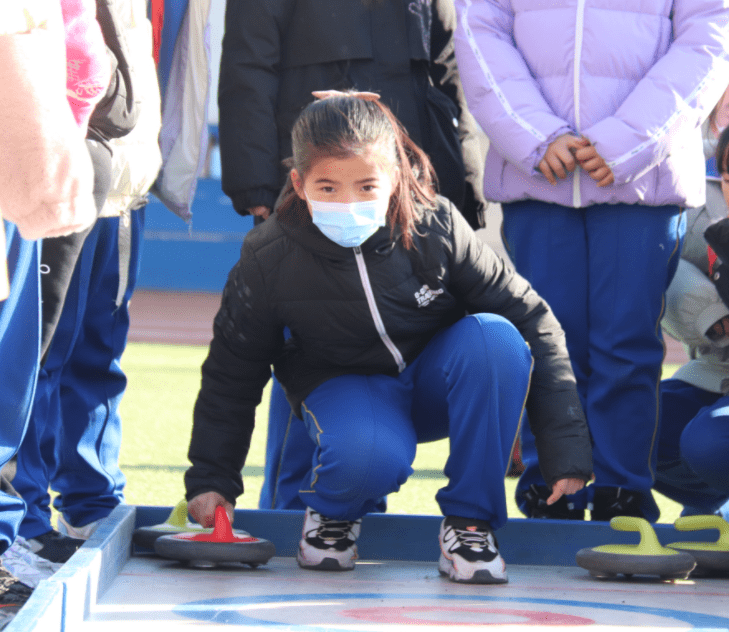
202 508
565 487
594 164
559 157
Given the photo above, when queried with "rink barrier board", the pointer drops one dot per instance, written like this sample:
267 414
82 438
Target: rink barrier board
58 604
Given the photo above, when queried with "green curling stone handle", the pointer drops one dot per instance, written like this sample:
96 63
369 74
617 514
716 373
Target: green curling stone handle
648 545
178 517
699 523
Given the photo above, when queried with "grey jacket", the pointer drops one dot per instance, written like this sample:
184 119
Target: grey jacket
693 305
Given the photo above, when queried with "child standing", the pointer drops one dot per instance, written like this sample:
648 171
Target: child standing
374 275
593 111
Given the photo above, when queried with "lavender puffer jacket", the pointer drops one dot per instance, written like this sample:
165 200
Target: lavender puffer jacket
636 77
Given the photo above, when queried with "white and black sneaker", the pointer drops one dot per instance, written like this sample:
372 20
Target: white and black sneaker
469 552
328 544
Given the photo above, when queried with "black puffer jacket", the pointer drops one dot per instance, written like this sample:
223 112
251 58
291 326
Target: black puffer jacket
275 52
293 275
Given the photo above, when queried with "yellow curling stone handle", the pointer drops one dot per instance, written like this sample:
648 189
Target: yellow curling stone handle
178 516
699 523
648 545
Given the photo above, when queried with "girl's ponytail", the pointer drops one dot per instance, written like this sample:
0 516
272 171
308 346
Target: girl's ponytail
416 185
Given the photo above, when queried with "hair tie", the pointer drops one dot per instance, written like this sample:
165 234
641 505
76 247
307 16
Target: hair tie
328 94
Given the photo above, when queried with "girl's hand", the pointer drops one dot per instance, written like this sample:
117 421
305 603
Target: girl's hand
594 164
202 508
559 157
565 487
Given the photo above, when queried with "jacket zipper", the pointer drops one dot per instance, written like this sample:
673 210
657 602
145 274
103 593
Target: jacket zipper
579 30
380 326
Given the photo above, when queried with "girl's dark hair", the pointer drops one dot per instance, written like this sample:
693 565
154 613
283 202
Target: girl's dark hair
343 126
722 149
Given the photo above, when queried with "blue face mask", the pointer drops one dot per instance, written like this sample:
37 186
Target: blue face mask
349 225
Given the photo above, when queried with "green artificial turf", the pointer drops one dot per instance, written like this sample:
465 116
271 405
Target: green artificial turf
157 418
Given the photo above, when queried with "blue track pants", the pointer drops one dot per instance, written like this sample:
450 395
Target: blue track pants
74 437
604 271
693 447
289 451
19 359
469 384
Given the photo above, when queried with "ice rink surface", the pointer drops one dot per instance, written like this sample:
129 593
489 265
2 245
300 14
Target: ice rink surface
110 586
151 593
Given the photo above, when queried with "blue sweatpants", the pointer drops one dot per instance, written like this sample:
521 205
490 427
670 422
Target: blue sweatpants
74 437
289 451
604 271
693 447
469 384
19 359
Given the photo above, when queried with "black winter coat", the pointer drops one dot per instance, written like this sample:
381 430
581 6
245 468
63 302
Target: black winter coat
292 275
276 52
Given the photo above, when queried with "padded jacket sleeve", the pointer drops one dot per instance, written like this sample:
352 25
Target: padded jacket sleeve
247 95
502 94
236 370
676 94
446 78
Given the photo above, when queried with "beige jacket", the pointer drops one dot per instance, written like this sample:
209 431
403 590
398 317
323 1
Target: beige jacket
46 177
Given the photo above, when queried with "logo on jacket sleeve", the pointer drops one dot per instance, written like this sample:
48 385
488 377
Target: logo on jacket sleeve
425 295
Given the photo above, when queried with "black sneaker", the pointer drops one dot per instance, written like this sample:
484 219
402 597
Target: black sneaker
535 499
328 544
469 552
13 594
609 502
54 547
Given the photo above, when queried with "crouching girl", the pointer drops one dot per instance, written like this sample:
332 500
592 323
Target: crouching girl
404 328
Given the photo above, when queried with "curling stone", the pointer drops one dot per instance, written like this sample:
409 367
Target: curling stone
176 522
205 550
711 557
647 557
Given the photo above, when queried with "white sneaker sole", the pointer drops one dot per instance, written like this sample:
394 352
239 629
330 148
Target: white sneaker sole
325 563
477 576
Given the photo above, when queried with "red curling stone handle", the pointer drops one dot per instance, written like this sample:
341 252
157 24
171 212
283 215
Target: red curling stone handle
221 533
